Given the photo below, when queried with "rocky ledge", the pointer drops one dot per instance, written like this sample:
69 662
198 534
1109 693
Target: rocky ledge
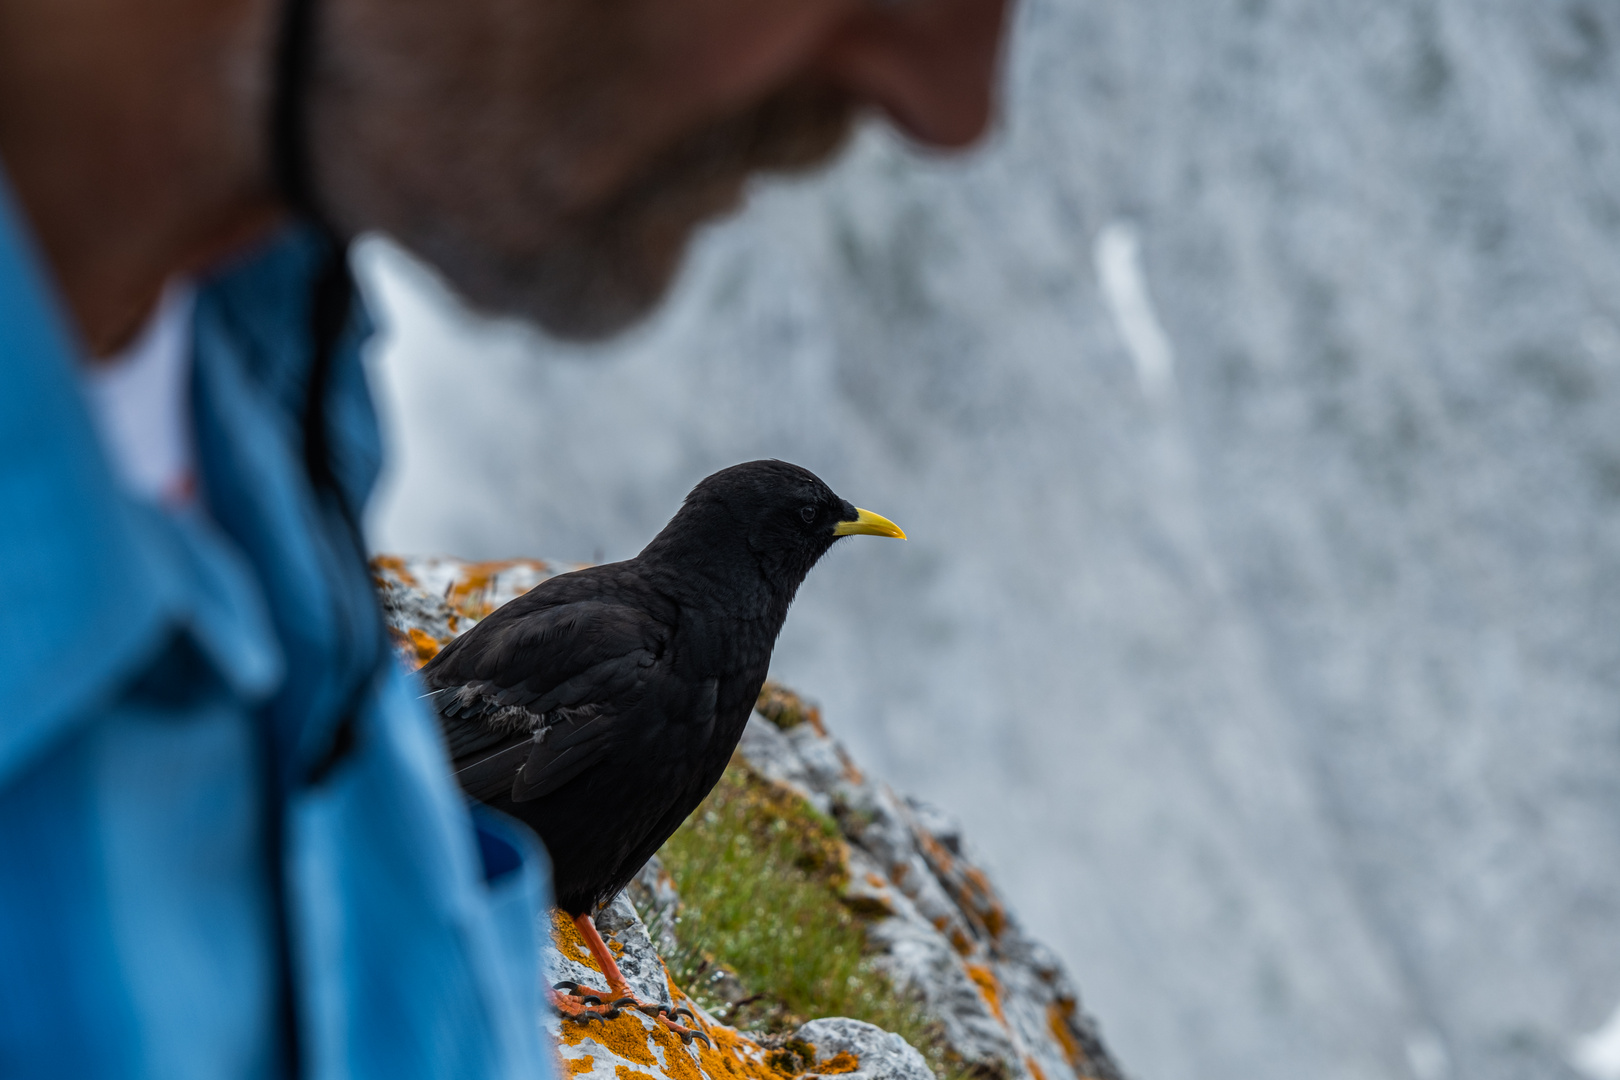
815 922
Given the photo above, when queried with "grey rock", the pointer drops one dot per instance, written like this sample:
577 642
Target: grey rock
939 928
406 605
654 895
881 1055
774 755
919 958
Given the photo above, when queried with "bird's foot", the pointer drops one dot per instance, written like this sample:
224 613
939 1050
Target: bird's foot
666 1016
582 1004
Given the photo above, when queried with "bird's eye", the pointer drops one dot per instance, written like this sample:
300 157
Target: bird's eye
808 513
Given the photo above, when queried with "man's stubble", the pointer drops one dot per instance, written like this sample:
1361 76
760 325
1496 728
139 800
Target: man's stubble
479 169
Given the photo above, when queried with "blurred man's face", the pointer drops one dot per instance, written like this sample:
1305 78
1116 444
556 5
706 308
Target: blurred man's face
553 157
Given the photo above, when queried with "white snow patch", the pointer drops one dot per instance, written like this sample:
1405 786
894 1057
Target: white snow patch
1427 1057
1118 258
1597 1053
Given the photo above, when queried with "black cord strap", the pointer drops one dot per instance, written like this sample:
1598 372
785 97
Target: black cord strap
330 303
289 118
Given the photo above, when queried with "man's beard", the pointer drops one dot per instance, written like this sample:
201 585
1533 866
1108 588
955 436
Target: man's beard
590 274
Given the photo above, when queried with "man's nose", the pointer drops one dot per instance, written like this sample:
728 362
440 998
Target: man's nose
929 64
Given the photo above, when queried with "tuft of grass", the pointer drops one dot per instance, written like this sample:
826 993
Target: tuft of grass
765 942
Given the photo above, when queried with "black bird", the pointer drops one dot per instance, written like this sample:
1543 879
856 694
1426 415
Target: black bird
601 706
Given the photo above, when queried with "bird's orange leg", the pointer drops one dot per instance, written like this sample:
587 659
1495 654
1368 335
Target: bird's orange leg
617 985
576 1005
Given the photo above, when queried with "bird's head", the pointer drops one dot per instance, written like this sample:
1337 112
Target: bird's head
783 516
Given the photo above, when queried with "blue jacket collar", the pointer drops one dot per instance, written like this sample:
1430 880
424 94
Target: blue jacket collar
93 585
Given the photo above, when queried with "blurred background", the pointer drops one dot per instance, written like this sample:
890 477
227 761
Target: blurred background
1253 403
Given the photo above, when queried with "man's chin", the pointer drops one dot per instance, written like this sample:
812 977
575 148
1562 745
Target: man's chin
591 275
592 304
578 291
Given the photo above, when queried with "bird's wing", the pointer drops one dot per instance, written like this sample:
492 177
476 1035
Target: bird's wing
529 765
582 737
544 658
565 750
568 670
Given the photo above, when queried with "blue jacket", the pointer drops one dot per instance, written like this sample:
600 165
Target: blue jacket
193 845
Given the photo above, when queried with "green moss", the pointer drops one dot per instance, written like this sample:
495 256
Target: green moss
784 708
765 941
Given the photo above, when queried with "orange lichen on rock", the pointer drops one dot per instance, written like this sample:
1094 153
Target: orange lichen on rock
568 940
625 1072
476 587
414 647
938 856
1034 1069
580 1065
424 645
983 900
737 1056
396 566
626 1036
975 897
467 593
1060 1020
985 979
842 1062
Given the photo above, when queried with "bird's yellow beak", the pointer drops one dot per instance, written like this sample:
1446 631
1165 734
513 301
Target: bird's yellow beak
867 523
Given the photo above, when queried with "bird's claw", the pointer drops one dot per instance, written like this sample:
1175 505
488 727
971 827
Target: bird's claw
654 1009
581 999
576 1001
666 1016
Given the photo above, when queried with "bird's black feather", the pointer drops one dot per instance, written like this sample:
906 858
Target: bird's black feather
601 706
